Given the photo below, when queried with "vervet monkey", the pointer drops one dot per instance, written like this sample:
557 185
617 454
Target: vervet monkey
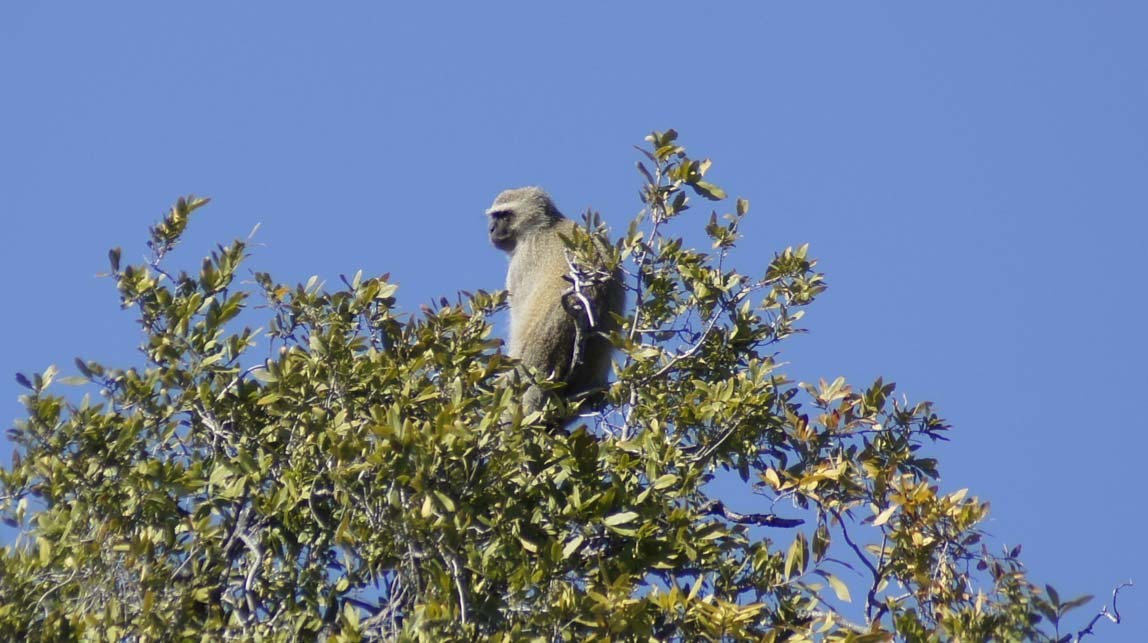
550 327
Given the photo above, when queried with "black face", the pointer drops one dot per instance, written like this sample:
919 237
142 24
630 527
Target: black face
502 229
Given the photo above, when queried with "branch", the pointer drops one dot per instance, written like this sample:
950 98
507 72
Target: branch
575 277
680 355
580 279
239 378
1114 616
249 582
871 598
452 561
856 628
718 508
722 310
710 448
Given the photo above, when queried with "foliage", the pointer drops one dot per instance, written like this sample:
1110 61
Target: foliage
372 476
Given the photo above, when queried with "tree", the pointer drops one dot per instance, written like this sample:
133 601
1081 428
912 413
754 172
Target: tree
356 472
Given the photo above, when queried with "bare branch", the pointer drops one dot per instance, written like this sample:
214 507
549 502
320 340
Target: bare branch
1114 616
458 585
871 597
718 508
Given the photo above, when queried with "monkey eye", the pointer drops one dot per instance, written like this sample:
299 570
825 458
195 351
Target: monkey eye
500 214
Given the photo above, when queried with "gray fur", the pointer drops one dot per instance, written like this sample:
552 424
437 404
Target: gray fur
525 224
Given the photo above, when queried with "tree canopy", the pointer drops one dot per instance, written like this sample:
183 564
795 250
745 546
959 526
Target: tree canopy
352 471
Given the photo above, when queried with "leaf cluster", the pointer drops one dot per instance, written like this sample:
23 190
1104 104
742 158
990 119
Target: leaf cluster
351 472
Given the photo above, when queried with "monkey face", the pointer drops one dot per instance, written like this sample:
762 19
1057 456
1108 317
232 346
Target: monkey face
502 233
520 213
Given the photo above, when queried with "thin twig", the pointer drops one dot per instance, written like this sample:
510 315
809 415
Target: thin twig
1114 616
238 378
718 508
458 585
871 597
713 446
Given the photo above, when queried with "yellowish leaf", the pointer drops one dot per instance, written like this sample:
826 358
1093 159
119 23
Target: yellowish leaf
884 516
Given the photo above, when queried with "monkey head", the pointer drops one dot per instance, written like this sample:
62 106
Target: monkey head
520 212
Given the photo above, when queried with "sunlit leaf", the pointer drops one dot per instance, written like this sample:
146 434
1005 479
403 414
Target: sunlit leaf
839 588
620 518
884 516
572 546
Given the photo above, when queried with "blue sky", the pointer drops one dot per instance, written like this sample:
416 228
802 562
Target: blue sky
973 177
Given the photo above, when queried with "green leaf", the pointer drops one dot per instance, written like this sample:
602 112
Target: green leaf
572 546
872 637
708 190
795 558
211 359
445 500
884 516
839 588
351 615
821 540
1075 603
620 518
